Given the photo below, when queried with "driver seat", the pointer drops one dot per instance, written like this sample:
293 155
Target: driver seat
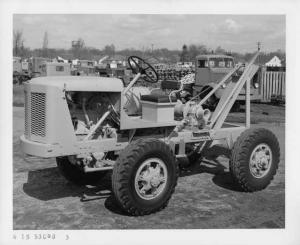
160 95
158 98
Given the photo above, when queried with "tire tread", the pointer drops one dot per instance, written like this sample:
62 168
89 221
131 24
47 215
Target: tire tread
238 162
123 166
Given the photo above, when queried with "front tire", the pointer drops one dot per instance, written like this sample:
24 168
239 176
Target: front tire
144 177
255 158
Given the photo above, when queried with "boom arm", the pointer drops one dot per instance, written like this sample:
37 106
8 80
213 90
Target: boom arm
230 95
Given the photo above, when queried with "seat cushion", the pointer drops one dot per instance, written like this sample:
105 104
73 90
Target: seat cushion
158 98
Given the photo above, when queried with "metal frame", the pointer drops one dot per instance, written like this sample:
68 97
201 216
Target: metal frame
215 130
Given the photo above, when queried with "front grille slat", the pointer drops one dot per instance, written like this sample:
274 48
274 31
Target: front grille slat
27 114
38 114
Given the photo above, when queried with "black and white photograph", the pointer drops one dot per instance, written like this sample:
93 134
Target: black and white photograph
149 121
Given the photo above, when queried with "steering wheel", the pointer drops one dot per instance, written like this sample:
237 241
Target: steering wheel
138 65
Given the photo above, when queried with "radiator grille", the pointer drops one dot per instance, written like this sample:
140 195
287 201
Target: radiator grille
27 114
38 114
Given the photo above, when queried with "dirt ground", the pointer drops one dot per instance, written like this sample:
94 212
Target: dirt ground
205 196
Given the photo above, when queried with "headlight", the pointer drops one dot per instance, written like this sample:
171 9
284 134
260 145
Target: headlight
255 84
223 85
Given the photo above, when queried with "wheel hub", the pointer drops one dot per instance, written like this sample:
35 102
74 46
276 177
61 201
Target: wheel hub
260 160
150 178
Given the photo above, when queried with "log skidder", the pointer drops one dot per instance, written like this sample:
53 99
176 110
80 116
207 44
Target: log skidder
93 125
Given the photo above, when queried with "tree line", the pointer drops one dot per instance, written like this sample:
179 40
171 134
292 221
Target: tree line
79 50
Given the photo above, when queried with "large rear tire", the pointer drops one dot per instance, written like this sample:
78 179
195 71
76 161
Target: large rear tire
144 177
76 175
255 158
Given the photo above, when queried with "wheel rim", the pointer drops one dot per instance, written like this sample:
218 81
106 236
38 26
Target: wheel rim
151 178
260 161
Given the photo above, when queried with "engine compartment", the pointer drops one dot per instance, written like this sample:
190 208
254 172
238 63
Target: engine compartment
87 108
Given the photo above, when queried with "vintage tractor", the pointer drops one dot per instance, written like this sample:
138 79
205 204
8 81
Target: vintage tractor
94 125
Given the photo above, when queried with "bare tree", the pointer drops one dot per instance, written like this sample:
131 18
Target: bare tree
80 42
45 40
18 42
220 50
45 45
184 54
109 49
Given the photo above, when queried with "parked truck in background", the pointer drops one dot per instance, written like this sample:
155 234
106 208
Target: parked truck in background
85 68
56 69
211 68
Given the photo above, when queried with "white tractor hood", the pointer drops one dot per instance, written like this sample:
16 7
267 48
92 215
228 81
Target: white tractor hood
80 83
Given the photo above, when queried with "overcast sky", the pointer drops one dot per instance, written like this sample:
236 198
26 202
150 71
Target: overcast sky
232 32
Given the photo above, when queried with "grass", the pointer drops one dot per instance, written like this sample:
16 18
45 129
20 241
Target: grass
18 95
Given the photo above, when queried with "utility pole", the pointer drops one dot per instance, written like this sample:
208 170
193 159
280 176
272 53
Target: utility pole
45 45
258 49
45 41
258 46
143 51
